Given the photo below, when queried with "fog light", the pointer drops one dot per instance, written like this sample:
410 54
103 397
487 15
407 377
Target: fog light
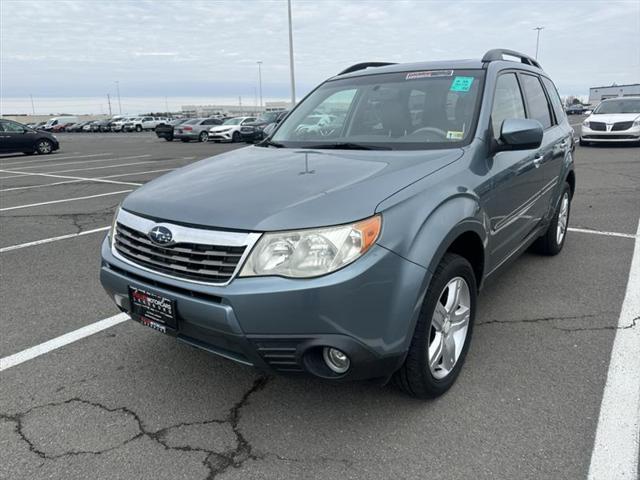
336 359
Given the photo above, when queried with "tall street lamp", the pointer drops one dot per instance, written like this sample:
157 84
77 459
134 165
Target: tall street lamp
260 81
118 90
539 29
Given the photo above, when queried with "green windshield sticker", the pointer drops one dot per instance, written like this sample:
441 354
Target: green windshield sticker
461 84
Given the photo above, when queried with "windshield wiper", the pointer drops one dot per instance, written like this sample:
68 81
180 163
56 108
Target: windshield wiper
346 146
269 143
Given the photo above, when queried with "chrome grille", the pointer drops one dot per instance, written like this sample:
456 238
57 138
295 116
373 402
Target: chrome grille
199 255
621 126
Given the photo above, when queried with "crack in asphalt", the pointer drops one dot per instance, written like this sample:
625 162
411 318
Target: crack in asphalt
634 322
215 462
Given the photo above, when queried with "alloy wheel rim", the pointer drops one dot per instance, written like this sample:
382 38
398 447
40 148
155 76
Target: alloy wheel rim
449 327
44 147
563 219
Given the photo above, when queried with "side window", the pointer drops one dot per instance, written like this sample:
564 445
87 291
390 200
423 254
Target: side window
13 127
507 102
555 98
536 100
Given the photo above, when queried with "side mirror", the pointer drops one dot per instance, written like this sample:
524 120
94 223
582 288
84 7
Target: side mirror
519 134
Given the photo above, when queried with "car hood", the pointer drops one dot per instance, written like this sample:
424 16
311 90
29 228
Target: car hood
613 117
266 189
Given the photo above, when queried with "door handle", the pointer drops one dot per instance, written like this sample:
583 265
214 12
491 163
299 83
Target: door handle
538 159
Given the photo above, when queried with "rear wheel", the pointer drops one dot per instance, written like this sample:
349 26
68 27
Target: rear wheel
185 140
443 331
169 139
235 137
552 241
44 146
204 136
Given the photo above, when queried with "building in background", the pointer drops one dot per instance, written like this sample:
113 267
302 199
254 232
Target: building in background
232 110
596 94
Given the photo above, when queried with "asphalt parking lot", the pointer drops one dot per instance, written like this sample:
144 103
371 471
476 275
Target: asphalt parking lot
128 402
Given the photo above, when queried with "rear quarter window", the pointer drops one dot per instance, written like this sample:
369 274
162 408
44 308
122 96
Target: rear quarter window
555 99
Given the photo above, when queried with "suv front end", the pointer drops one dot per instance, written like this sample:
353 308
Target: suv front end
275 323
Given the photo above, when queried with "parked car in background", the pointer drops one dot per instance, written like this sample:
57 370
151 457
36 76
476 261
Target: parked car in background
165 129
356 252
76 127
96 124
229 131
60 127
613 120
139 124
195 129
117 125
252 132
39 125
15 137
57 121
87 127
576 109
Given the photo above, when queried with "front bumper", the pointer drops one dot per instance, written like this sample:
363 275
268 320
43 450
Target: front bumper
368 310
228 136
630 135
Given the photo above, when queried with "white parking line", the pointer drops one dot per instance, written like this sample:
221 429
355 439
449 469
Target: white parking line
82 179
48 159
616 447
61 341
52 239
75 179
17 207
79 169
598 232
84 163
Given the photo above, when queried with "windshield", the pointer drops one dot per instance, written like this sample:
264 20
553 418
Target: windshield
233 121
629 105
415 110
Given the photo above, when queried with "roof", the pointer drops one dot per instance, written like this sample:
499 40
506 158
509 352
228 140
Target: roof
617 86
466 64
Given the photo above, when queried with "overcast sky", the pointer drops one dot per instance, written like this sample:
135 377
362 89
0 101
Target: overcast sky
193 48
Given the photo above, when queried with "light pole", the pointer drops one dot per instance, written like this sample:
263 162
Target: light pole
33 108
119 103
539 29
293 80
260 81
109 102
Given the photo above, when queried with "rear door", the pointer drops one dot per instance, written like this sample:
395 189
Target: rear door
515 177
555 142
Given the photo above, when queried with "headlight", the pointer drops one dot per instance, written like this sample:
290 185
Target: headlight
636 123
312 252
585 124
112 230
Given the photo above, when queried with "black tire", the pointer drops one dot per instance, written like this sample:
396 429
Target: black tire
415 377
169 139
138 128
235 138
548 243
44 146
203 137
185 140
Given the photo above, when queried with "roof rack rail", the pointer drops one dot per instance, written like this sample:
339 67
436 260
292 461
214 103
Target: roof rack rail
362 66
498 54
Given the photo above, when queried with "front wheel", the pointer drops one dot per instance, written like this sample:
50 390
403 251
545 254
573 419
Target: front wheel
138 128
235 138
552 241
204 136
443 332
44 147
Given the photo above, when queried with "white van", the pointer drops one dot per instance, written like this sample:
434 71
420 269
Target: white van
52 122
